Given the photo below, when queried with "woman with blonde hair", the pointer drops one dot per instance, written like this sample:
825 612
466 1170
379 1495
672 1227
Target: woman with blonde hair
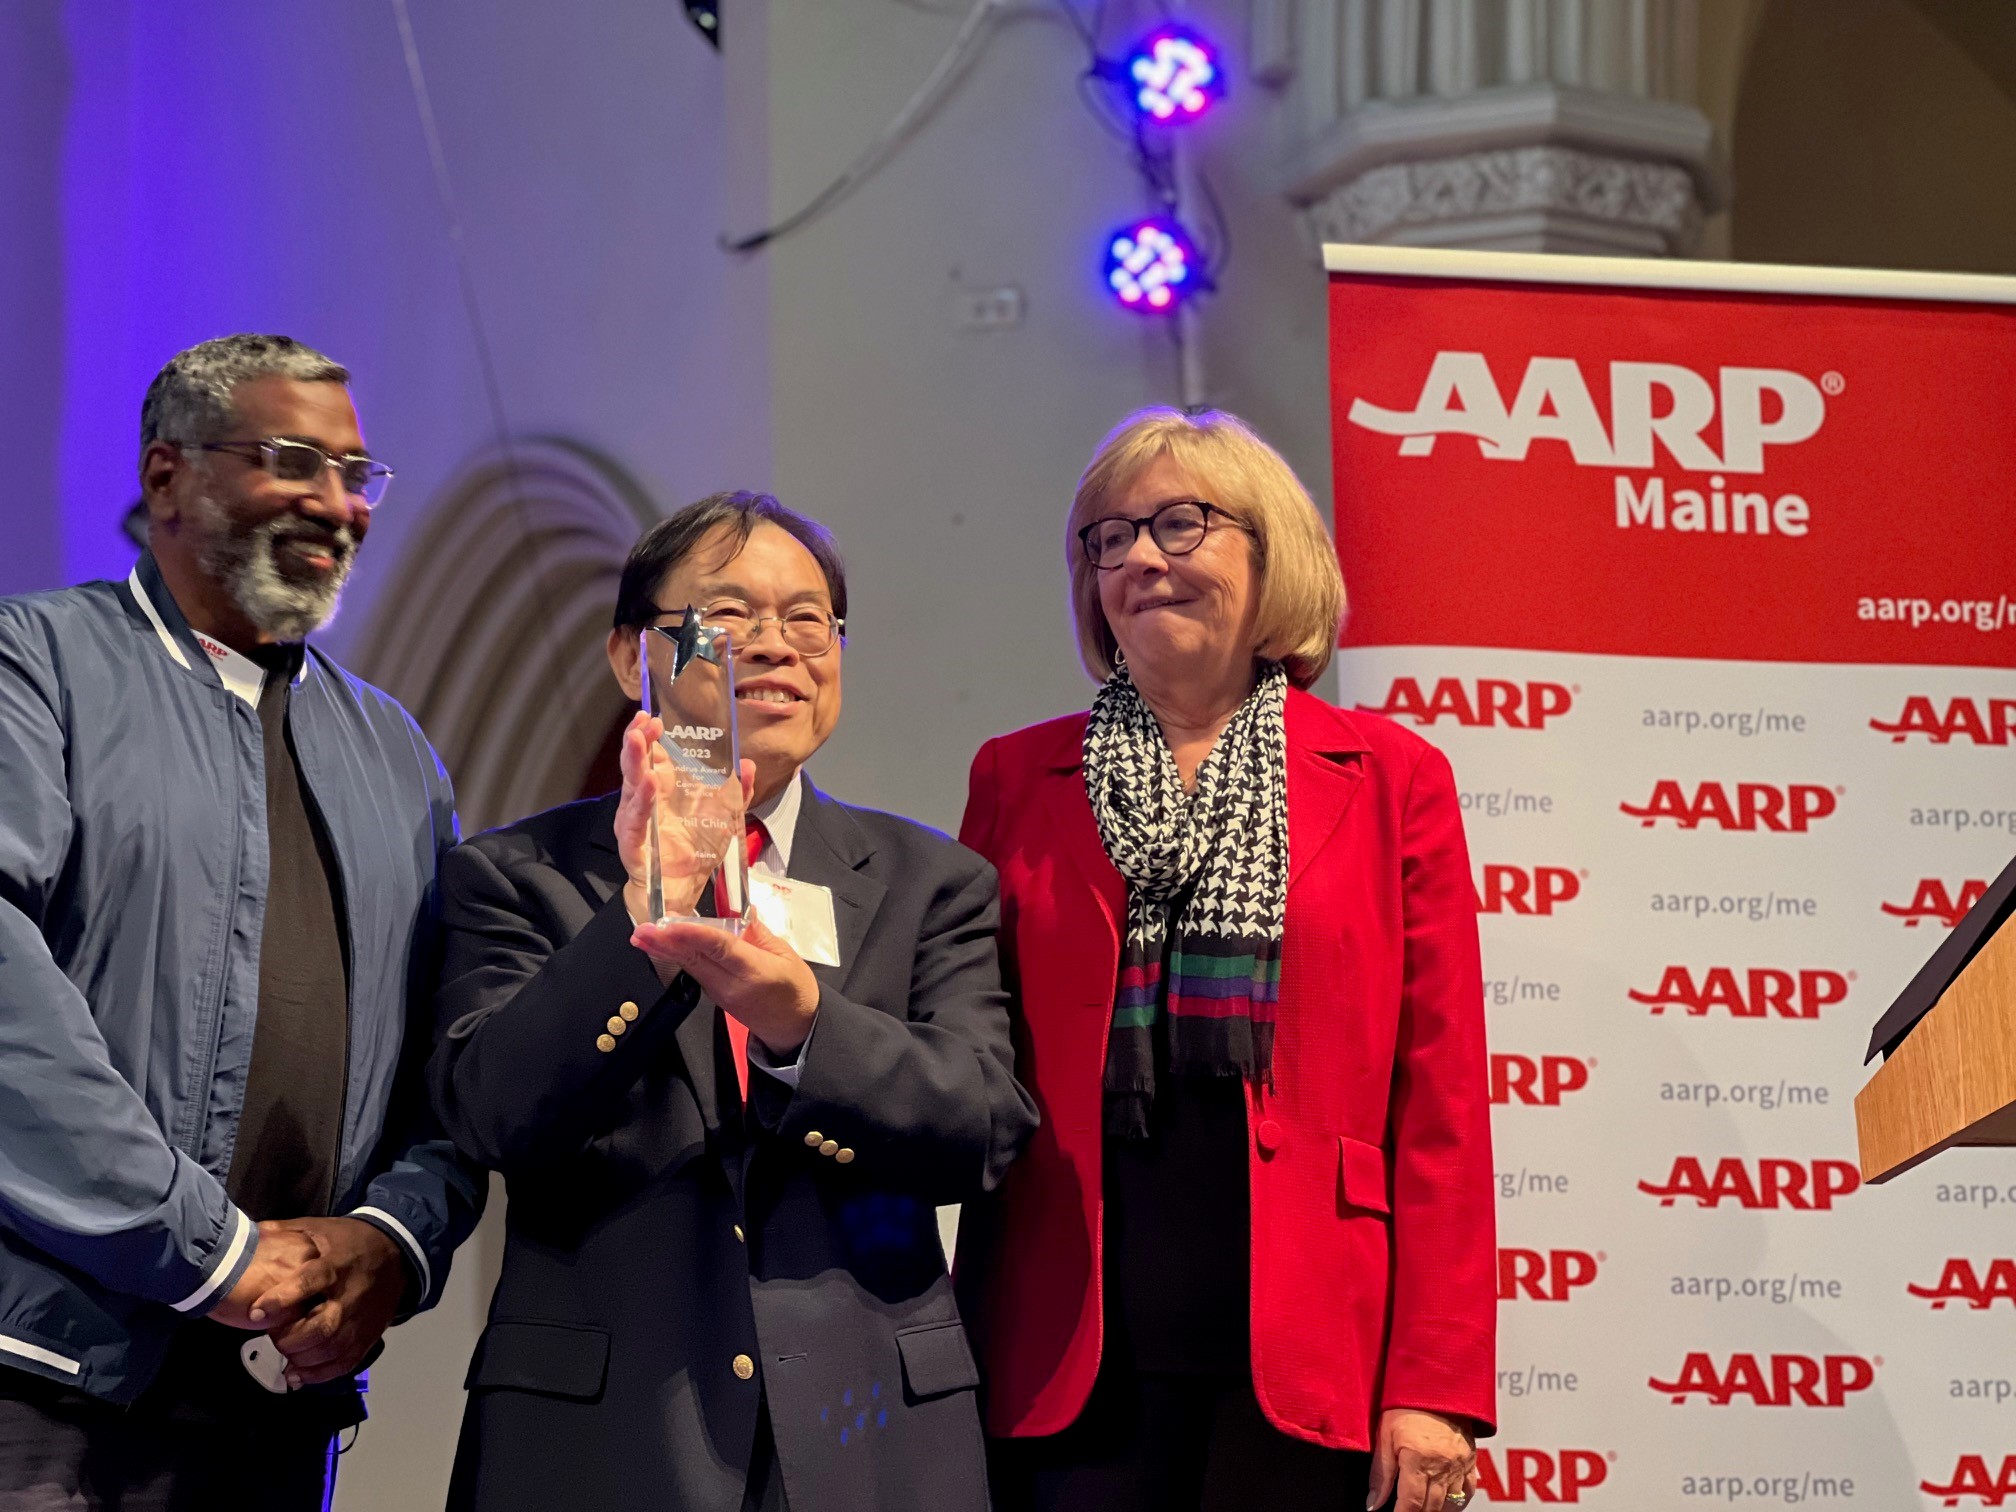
1248 1259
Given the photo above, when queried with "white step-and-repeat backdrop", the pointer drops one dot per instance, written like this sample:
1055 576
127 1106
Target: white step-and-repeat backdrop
1704 577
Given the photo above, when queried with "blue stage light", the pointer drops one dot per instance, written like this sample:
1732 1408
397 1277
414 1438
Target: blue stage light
1152 266
1175 75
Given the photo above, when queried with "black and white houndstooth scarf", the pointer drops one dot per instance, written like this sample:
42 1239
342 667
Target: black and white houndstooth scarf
1229 838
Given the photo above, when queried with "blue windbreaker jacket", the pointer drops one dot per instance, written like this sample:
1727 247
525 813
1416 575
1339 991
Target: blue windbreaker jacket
132 893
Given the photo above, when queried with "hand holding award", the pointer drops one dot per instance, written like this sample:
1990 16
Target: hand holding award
679 822
679 826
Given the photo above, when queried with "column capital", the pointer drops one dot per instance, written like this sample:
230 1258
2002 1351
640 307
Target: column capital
1540 167
1563 136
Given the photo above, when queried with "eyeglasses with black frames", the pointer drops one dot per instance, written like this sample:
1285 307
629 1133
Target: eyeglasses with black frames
808 630
292 460
1177 528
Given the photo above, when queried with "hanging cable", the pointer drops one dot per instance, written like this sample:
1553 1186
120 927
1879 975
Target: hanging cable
493 389
965 48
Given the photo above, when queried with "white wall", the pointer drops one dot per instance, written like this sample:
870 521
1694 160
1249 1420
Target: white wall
945 458
233 165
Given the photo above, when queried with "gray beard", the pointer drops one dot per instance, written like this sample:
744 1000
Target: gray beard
245 561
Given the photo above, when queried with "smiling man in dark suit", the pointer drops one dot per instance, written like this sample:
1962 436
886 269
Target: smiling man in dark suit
709 1302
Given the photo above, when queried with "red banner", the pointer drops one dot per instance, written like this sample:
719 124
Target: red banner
1674 472
1703 577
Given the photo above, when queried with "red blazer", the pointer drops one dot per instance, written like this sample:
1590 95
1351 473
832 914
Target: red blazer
1374 1274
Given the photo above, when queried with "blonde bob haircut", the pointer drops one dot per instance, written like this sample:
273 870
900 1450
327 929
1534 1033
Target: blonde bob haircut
1301 590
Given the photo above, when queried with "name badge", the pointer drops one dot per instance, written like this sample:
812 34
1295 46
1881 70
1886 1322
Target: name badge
799 913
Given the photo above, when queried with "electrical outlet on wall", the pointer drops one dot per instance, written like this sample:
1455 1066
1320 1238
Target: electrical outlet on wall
989 309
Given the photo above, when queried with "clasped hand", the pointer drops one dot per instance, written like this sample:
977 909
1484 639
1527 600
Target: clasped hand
1420 1458
326 1289
756 977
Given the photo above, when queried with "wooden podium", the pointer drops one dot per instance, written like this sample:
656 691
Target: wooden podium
1949 1077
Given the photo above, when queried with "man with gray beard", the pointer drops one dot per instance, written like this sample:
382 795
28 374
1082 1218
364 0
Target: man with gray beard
219 1180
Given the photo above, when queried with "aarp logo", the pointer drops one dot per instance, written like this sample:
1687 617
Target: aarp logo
1538 1081
1553 1275
1752 993
1796 1185
1485 702
1959 1281
1778 1380
1973 1481
1549 1477
1649 401
1981 722
1751 807
1508 889
1932 900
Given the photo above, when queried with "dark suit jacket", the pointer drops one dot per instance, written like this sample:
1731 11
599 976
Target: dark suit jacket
671 1259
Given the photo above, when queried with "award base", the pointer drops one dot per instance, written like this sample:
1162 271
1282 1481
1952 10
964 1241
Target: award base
726 926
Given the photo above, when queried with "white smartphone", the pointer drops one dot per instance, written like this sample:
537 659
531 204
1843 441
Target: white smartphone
264 1363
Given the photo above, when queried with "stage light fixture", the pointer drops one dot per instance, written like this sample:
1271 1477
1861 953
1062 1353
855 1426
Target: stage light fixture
1152 266
706 16
1175 75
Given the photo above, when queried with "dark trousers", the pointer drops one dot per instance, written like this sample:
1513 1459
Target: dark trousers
197 1440
1173 1443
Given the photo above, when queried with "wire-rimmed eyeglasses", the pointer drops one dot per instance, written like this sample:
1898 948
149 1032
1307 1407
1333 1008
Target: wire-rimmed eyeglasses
806 629
292 460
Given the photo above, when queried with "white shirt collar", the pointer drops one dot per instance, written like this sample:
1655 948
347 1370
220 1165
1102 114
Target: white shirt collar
242 675
779 813
173 646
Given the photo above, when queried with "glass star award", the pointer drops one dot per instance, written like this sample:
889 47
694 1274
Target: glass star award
695 839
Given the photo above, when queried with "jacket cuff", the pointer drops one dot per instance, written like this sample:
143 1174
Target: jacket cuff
225 1265
419 1274
1444 1369
786 1069
844 1091
530 1079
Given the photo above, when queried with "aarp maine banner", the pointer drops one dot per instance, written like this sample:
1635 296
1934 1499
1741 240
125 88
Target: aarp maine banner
1704 576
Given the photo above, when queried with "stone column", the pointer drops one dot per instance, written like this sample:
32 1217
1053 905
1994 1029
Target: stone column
1525 125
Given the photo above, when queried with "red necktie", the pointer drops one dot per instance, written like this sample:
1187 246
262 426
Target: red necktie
754 837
